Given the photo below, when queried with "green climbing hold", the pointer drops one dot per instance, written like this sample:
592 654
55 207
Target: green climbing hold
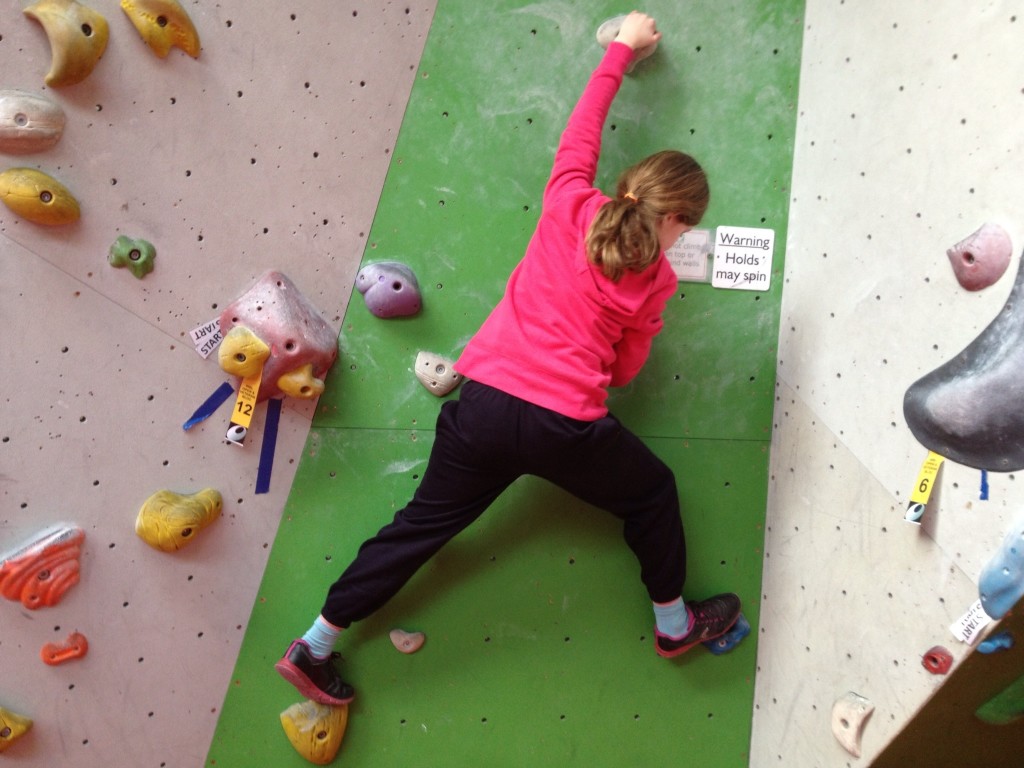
137 255
1004 707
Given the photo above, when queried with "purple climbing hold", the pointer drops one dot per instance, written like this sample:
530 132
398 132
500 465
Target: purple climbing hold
1001 583
730 639
389 289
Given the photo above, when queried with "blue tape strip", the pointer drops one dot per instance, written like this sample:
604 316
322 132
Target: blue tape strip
269 444
212 403
984 485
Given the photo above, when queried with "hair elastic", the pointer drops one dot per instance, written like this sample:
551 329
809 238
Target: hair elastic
631 196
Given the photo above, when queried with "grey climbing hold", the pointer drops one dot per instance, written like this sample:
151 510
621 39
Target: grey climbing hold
608 31
968 409
389 289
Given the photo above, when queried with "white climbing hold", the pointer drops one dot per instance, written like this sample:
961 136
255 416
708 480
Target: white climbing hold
436 373
850 714
607 32
407 642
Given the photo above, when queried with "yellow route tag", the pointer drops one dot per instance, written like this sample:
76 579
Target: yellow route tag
245 404
923 488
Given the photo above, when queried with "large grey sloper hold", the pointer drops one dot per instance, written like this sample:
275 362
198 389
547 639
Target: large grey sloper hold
971 408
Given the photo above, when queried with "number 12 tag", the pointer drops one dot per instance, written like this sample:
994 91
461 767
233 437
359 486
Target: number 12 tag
245 404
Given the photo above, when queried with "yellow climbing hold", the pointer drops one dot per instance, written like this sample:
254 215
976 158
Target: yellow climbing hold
242 353
315 730
12 727
163 24
78 37
38 197
301 383
168 521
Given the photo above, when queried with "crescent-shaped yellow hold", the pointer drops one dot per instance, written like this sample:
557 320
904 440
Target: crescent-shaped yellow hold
242 353
315 729
168 521
163 24
78 37
301 383
12 727
38 197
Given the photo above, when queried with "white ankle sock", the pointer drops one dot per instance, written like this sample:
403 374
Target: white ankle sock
673 619
321 637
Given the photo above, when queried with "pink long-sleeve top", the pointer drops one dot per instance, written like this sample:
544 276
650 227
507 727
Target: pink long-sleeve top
563 332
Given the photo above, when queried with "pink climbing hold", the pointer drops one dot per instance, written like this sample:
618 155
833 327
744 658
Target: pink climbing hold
299 345
981 259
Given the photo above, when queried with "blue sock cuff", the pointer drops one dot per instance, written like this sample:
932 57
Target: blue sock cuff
673 619
321 638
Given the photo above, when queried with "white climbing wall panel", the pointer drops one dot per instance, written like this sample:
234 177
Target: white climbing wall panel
908 140
267 152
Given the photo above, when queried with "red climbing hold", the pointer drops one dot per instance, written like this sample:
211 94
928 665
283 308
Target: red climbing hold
937 660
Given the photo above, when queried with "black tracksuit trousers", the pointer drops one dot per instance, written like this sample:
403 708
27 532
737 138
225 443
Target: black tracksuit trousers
487 439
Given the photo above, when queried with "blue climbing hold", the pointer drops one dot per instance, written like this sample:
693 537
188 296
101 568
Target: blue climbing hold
730 639
1002 581
1002 641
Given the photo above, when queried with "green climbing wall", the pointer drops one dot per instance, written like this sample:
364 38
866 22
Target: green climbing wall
539 634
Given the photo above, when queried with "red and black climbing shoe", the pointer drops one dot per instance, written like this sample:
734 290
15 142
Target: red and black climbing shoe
711 618
316 679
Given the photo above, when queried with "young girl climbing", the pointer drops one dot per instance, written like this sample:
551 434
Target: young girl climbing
578 315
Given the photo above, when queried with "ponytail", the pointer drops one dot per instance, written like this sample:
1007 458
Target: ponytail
624 233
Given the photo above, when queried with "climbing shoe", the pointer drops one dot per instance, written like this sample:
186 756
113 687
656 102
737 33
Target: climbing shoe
316 679
711 618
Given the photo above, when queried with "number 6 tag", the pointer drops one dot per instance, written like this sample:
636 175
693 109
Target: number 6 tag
245 404
923 488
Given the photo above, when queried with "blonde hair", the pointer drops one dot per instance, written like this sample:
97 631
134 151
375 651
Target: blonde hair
624 233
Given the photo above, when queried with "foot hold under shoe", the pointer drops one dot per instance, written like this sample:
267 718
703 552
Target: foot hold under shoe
711 618
316 679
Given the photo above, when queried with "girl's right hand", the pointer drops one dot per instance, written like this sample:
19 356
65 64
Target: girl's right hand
638 31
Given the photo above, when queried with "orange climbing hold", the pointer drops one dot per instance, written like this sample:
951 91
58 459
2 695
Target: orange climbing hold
40 572
75 647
